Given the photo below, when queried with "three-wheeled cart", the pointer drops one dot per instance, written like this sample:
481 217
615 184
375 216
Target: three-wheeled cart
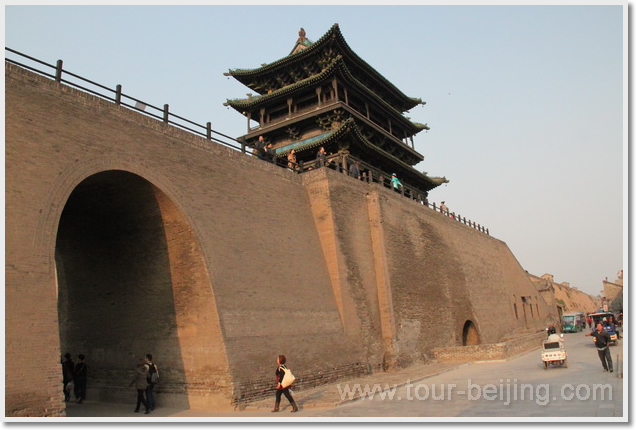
554 352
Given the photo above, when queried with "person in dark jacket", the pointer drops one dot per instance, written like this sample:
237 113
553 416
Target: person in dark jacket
152 368
280 390
612 324
260 148
602 340
79 378
140 381
68 368
270 153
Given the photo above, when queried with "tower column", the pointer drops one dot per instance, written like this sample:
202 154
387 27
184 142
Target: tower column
334 84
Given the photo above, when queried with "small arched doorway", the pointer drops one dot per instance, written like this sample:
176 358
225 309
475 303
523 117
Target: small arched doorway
470 334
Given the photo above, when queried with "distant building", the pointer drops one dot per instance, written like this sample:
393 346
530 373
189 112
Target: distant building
562 297
612 289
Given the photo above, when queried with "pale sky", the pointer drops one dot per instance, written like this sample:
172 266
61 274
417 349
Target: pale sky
526 104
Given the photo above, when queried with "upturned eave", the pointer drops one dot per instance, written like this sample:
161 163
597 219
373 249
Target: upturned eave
246 76
337 68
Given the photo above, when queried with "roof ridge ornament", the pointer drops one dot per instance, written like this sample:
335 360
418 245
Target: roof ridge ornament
302 42
302 36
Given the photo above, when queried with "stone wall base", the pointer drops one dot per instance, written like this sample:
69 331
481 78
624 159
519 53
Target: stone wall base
489 352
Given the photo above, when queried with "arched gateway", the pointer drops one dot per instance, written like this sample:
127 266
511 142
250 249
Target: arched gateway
131 281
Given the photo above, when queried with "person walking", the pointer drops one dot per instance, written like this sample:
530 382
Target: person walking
80 376
68 369
140 381
152 368
280 390
602 340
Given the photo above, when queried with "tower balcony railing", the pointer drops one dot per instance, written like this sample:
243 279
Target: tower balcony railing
281 118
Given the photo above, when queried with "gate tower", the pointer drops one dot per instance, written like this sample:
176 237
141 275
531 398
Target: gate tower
324 95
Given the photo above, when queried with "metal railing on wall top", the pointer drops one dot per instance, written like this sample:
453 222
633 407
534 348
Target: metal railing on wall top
117 96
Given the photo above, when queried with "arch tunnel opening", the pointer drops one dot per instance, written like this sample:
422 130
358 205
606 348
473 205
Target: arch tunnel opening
131 281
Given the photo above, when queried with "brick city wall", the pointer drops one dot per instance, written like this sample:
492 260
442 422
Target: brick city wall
125 235
238 277
437 273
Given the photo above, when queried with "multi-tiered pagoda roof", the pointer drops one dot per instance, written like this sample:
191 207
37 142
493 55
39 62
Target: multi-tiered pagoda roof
324 94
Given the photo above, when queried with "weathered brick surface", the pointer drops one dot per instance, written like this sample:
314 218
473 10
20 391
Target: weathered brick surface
341 215
126 236
441 273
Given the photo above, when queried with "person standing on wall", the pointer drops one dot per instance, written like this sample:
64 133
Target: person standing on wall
140 381
396 182
354 170
321 157
291 160
280 390
152 368
270 153
443 208
602 340
260 148
79 378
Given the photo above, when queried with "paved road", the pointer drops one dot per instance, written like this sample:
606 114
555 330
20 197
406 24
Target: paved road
555 392
472 390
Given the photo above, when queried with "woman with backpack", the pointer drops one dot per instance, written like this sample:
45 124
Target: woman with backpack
282 386
153 378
